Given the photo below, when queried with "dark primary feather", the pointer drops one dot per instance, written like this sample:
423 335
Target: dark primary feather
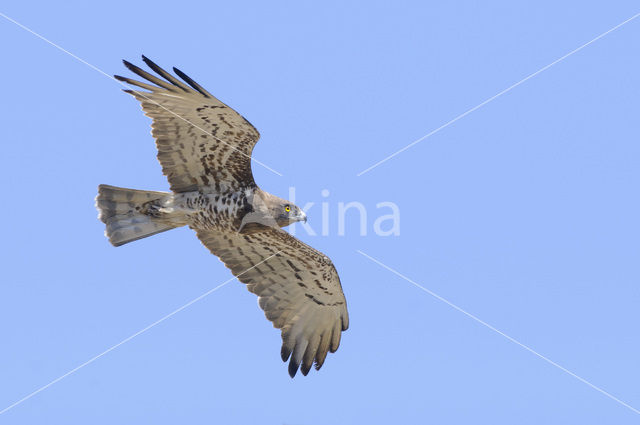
134 83
164 74
192 83
144 74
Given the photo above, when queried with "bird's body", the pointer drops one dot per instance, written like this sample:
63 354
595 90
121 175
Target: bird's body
205 150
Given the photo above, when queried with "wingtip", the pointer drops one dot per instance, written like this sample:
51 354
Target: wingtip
285 353
320 361
192 83
148 61
293 368
182 74
345 323
304 368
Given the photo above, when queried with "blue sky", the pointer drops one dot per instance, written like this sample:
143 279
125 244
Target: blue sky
523 213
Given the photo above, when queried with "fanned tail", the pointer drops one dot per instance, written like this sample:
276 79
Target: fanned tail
123 211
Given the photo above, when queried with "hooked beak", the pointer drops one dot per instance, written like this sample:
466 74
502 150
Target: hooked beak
302 216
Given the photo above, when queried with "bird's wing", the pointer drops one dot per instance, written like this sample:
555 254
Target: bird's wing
202 143
297 286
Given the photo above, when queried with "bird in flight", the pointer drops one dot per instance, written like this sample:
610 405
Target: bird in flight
205 148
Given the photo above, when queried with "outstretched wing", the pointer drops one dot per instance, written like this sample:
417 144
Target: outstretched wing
297 286
202 143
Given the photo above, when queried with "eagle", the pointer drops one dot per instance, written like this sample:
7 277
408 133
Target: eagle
204 147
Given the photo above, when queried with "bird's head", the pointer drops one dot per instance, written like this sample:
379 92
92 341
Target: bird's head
269 210
287 213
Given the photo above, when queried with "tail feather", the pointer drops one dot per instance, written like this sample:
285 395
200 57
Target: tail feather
123 211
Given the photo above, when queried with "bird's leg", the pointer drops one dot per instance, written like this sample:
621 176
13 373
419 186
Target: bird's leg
168 210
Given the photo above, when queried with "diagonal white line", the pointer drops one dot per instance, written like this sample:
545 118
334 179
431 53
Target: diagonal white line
94 358
464 114
137 91
482 322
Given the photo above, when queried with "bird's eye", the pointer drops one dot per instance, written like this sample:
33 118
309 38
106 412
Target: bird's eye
287 208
